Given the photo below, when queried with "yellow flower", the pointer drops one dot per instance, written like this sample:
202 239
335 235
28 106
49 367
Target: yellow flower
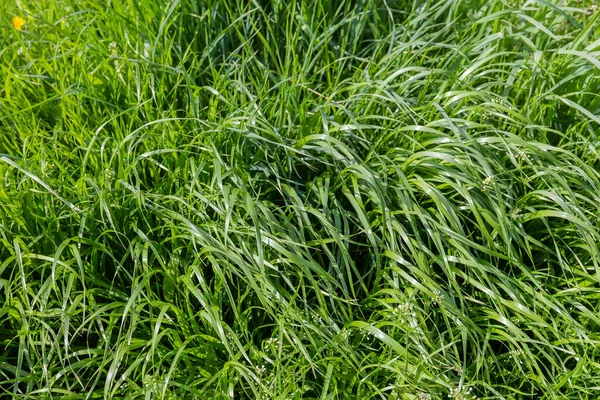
18 22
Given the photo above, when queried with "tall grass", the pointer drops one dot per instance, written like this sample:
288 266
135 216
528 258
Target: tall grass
384 199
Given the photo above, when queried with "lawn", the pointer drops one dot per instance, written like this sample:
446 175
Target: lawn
300 199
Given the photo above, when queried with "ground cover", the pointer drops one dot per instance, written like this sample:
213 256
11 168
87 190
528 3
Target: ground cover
300 199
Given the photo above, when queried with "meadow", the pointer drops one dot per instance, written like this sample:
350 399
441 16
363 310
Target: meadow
302 199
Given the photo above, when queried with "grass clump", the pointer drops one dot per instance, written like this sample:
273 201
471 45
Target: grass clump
303 199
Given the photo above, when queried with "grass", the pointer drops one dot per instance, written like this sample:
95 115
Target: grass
383 199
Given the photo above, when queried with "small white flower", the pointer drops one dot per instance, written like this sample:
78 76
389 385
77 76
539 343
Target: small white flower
461 395
109 173
112 47
487 183
521 156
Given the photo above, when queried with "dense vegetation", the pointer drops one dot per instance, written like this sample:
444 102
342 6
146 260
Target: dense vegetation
330 199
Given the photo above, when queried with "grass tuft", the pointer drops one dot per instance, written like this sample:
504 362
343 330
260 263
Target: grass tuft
384 199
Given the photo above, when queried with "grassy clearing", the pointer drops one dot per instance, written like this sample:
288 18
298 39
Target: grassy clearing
300 199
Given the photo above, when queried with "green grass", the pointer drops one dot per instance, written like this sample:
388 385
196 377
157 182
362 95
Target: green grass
334 199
